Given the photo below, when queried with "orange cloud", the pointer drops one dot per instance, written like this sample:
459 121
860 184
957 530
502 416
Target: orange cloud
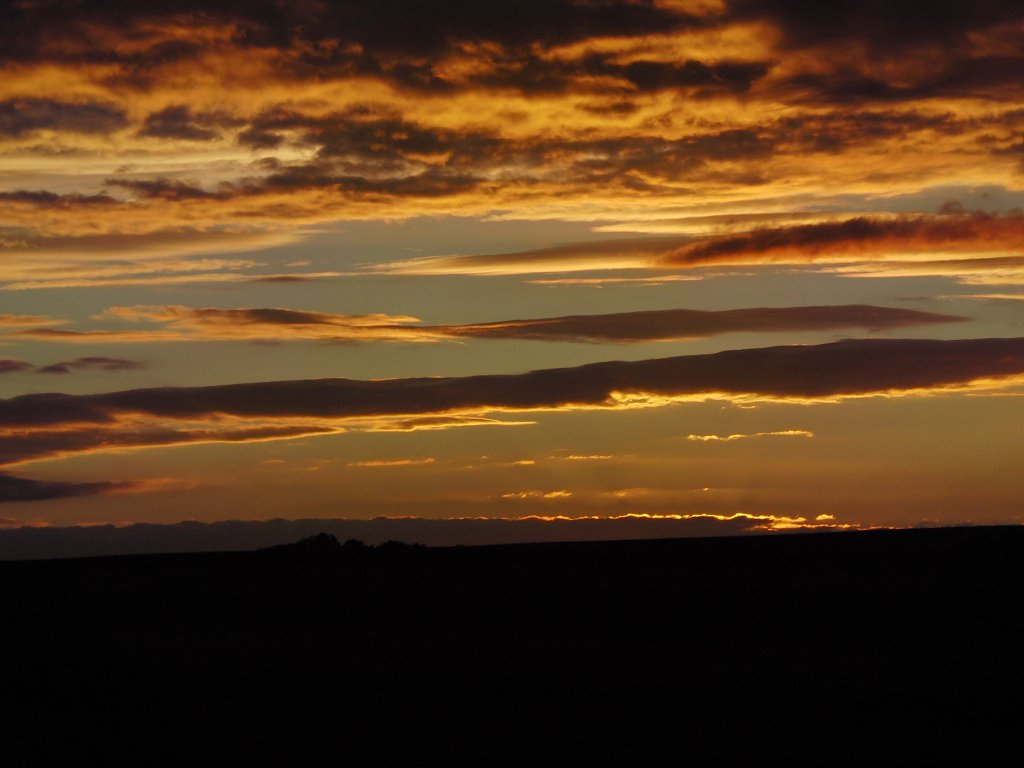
38 426
732 438
852 240
278 324
217 120
857 239
27 321
387 463
544 495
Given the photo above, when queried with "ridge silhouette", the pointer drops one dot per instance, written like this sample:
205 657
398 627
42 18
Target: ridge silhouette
889 626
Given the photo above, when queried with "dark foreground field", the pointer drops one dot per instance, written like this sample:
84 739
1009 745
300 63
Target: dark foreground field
891 628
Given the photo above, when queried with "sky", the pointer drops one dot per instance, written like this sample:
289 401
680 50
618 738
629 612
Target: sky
725 265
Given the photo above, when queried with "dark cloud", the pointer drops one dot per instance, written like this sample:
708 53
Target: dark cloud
361 32
882 25
860 236
406 43
279 324
281 279
530 73
21 489
45 199
683 323
853 129
22 116
658 76
369 151
108 364
162 189
977 76
143 538
428 183
855 367
872 51
180 122
863 238
259 139
370 134
372 153
14 366
382 157
20 447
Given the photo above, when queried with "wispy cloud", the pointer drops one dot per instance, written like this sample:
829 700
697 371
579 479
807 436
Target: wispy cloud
388 463
15 366
107 364
39 426
178 323
734 437
80 541
14 489
892 240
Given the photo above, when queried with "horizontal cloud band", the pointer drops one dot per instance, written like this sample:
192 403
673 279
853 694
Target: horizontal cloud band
846 368
206 323
85 541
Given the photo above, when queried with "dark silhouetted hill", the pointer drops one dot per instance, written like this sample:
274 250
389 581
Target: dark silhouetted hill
869 630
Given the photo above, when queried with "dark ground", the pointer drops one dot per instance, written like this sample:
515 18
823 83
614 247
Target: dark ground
892 632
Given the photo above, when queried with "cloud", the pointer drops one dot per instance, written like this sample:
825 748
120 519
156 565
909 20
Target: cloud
20 446
842 368
860 237
733 438
597 282
333 37
180 323
14 489
144 538
21 321
370 154
266 117
14 366
162 189
1005 270
265 324
627 327
108 364
990 296
37 426
27 115
180 122
52 200
856 239
861 51
61 261
544 495
387 463
974 238
623 253
432 423
881 26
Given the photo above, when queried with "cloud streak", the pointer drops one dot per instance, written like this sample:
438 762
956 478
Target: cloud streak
15 489
178 323
735 437
261 117
8 365
107 364
863 238
90 541
38 426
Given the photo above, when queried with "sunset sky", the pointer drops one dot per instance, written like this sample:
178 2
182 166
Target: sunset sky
752 261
